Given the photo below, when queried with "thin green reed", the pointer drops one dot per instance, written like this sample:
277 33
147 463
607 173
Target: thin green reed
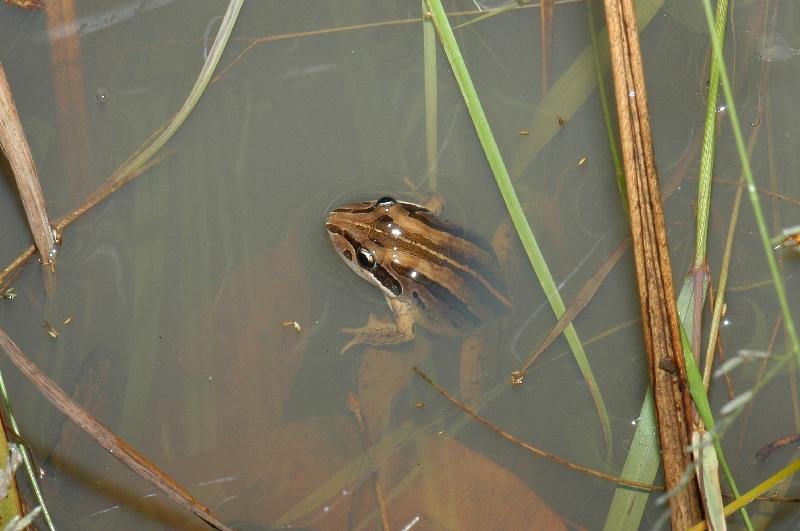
516 213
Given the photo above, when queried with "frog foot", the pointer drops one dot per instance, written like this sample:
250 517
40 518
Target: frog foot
379 332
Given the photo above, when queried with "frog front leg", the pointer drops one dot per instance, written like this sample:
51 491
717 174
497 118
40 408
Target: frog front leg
384 332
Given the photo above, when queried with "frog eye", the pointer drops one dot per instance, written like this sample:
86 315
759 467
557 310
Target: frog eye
385 201
365 259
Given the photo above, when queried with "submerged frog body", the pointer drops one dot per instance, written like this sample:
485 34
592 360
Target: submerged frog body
431 272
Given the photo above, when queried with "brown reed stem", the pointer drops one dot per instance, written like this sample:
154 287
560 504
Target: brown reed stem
659 314
111 442
527 446
111 185
15 145
354 404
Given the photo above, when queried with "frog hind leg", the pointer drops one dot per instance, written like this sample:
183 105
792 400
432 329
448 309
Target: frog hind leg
384 332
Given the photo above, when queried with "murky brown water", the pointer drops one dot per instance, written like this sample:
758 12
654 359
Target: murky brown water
182 283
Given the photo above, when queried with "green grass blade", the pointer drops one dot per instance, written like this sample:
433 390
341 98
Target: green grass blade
644 456
431 99
709 470
690 291
512 203
214 55
780 288
143 366
698 392
762 488
686 303
707 151
642 463
25 451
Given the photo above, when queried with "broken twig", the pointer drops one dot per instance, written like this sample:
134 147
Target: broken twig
15 146
113 443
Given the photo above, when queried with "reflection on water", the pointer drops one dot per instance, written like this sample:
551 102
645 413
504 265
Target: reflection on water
488 5
102 20
775 47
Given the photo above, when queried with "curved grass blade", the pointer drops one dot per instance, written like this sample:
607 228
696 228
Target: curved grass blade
702 448
214 54
524 230
642 463
760 489
25 452
709 143
143 366
780 287
10 459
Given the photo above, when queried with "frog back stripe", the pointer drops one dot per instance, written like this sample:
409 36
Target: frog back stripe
439 292
430 220
463 255
466 288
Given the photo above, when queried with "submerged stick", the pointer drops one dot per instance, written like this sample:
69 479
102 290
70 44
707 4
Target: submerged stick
15 146
653 269
354 404
546 12
71 117
111 442
531 448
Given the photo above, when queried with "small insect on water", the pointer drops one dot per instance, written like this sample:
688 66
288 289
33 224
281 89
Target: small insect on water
789 238
792 240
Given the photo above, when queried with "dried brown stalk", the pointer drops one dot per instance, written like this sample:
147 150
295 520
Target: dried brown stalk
114 444
15 146
111 185
653 270
588 290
